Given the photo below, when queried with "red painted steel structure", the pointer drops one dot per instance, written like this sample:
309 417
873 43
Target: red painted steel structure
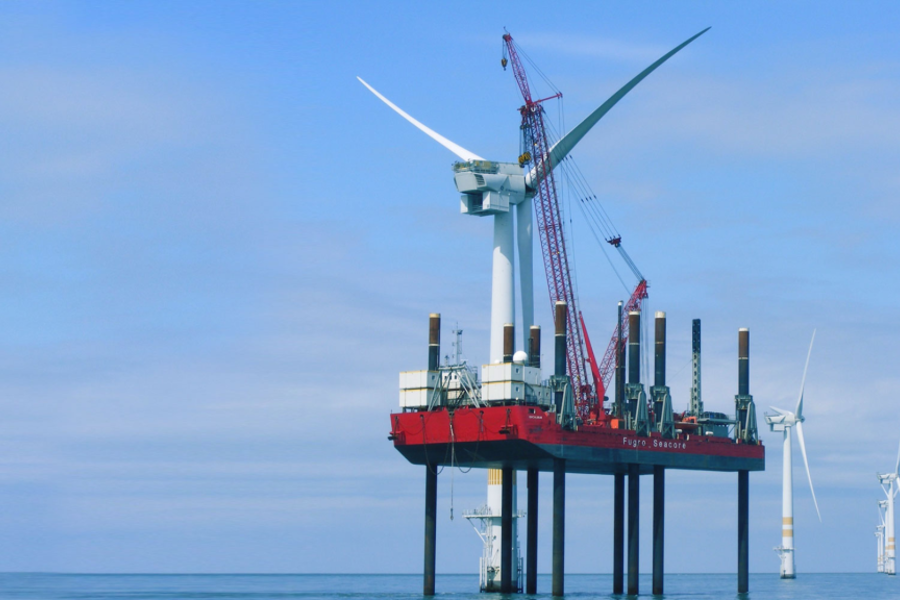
523 436
595 372
550 228
608 364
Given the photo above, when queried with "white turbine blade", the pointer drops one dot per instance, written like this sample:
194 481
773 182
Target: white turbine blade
562 148
803 382
780 411
454 148
806 463
897 466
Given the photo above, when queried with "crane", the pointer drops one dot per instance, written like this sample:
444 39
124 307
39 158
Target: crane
540 182
550 227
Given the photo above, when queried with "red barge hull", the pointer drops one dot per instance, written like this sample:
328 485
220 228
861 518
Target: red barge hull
523 437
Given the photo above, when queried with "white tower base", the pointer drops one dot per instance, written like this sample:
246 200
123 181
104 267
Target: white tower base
786 550
502 298
490 517
890 490
889 563
524 237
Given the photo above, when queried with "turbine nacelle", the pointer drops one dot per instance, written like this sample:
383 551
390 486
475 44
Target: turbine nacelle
488 187
889 478
886 478
782 419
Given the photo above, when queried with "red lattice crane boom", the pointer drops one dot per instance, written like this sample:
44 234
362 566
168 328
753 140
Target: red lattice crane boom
550 229
608 364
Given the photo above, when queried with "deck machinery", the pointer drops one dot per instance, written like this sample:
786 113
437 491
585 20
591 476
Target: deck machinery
515 419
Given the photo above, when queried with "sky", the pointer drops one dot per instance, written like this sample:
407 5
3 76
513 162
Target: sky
217 251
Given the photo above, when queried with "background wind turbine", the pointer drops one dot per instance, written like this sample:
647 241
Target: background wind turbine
889 485
785 421
879 533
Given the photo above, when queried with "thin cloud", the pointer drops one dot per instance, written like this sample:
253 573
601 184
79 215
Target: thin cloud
593 47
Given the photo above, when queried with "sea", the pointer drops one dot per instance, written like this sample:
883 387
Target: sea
44 586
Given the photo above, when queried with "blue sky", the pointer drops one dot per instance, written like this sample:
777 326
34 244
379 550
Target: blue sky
217 250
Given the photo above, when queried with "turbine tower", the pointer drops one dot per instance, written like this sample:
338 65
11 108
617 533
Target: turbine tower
785 421
879 534
889 485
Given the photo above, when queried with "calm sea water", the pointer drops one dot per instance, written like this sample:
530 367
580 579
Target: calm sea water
15 586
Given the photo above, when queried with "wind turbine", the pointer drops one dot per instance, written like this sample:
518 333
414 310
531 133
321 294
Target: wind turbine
785 421
890 480
879 533
492 188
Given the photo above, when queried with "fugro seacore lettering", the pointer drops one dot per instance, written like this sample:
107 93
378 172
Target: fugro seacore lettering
664 444
676 445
